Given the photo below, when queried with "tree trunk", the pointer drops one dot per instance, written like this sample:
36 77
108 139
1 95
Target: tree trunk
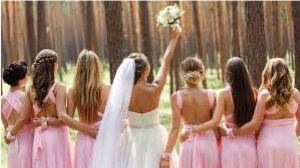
90 28
296 23
42 27
113 11
235 31
30 31
146 36
222 39
276 28
199 38
255 40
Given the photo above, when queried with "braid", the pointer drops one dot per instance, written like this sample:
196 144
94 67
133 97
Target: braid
43 74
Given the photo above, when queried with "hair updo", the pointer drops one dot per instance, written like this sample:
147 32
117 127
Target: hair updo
141 63
193 70
15 72
43 74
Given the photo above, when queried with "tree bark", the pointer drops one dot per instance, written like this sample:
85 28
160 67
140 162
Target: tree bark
30 31
276 28
42 27
146 36
113 15
235 31
222 41
296 23
90 28
255 40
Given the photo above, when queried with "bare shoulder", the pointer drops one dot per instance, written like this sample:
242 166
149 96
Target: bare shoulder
223 93
296 94
263 94
60 87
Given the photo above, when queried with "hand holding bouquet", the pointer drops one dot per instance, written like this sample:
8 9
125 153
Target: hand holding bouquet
169 16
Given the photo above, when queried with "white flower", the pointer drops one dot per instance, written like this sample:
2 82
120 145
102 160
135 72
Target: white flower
169 16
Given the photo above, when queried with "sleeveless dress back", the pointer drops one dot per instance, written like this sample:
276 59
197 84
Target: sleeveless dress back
277 141
147 140
20 150
84 147
240 151
200 150
51 146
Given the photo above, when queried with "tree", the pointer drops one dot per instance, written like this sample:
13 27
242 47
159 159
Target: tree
255 40
90 28
296 22
235 30
146 36
276 28
42 27
30 30
222 39
113 15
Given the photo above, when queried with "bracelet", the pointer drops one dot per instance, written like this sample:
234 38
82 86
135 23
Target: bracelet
10 137
166 156
229 132
44 123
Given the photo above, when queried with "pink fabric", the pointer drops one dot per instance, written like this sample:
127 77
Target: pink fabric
19 151
51 146
201 150
240 151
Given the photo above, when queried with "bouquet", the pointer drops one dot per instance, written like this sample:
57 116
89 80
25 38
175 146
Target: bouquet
169 16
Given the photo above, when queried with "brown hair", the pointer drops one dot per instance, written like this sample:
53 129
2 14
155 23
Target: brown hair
193 70
87 85
141 63
276 78
43 74
243 94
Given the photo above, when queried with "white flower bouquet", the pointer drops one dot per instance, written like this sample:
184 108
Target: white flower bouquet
169 16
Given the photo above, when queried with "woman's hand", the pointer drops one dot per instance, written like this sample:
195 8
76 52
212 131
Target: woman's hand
184 136
92 132
222 131
7 141
164 163
176 32
37 122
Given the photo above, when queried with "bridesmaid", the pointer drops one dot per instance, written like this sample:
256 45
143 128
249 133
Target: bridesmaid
236 103
88 95
12 103
47 99
194 105
277 105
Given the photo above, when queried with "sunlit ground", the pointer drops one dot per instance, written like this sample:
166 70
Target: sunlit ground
165 111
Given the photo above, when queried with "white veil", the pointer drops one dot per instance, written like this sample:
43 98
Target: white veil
108 145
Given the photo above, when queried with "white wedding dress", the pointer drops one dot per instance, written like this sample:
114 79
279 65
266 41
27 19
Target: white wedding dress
147 139
136 142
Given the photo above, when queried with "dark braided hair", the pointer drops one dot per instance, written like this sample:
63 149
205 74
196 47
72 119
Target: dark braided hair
15 72
141 63
43 74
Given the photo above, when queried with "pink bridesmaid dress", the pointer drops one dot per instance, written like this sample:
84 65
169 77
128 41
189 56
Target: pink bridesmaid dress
240 151
277 141
200 150
84 147
51 145
20 150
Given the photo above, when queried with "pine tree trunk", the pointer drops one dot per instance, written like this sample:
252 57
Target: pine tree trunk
222 40
276 28
42 27
90 28
30 30
255 40
296 22
113 11
235 31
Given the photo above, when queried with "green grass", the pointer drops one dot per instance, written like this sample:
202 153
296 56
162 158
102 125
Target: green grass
165 111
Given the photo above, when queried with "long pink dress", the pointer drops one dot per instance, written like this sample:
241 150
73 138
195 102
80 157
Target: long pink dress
84 147
51 146
20 150
240 151
277 141
200 150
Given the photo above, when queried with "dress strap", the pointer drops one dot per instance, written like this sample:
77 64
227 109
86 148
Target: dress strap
12 103
179 99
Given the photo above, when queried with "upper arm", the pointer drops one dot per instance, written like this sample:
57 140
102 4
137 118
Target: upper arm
4 121
61 94
297 99
260 109
175 111
220 106
71 106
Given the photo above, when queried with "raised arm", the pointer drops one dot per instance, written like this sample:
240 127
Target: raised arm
173 135
257 118
67 119
297 115
161 77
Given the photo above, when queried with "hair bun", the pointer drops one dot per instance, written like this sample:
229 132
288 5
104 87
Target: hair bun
14 72
192 76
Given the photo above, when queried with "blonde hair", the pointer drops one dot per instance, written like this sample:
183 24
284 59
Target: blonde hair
87 85
193 70
276 78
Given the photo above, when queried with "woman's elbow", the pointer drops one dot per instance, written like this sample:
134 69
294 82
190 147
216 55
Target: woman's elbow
215 124
63 117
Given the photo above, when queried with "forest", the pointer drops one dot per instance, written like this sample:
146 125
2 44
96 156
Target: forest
212 31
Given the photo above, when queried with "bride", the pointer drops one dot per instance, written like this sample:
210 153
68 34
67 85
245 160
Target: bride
130 135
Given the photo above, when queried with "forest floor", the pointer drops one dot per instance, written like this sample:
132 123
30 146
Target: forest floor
165 111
